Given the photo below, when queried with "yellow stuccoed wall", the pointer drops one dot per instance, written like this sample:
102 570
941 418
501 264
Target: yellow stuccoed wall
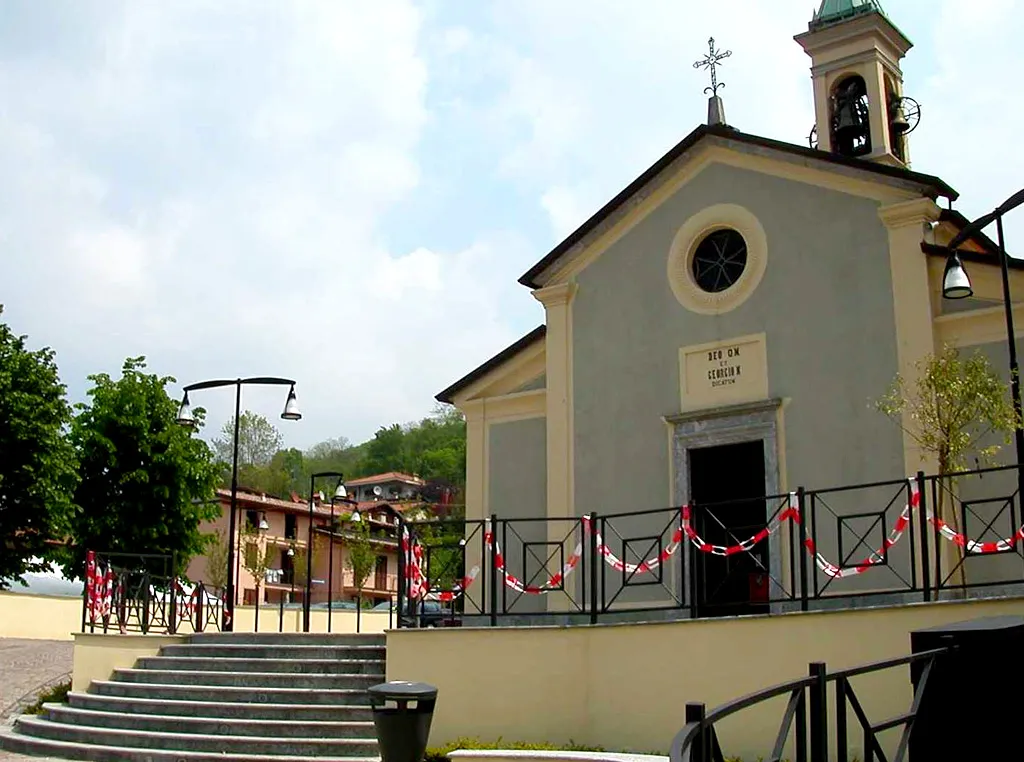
625 687
42 617
97 656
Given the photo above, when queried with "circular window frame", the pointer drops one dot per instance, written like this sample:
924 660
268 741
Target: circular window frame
684 245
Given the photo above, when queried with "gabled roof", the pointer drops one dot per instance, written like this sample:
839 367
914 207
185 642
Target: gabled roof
537 334
390 476
928 185
958 219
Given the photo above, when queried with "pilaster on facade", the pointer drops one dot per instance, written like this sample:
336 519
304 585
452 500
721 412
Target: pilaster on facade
913 311
557 301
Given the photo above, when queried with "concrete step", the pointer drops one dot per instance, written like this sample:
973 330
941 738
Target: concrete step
39 727
246 679
298 713
238 695
295 666
286 639
22 744
265 651
71 715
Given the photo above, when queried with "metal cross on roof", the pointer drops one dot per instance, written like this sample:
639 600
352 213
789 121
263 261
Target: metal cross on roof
710 61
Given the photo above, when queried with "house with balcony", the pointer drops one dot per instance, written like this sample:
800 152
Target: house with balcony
277 532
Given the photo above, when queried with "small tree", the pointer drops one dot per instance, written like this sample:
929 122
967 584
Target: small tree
299 559
257 557
953 408
217 560
361 557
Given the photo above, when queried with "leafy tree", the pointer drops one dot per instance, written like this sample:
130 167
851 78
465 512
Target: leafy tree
387 451
257 559
258 440
299 559
328 448
361 557
955 405
37 464
217 560
146 483
434 448
951 410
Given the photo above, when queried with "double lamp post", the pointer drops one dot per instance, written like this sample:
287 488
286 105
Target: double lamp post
957 285
185 418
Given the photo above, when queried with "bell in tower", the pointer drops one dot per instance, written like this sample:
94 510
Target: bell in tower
860 109
851 126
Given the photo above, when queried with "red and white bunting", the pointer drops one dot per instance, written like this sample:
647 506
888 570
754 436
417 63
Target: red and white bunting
416 581
835 572
630 568
971 546
791 512
553 584
418 585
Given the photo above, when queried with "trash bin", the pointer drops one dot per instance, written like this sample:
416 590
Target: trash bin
402 729
967 698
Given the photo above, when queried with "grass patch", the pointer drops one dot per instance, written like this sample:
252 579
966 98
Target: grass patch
57 694
440 753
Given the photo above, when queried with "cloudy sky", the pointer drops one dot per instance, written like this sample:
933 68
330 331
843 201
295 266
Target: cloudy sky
344 192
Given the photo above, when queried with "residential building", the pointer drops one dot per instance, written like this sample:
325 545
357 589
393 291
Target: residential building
280 529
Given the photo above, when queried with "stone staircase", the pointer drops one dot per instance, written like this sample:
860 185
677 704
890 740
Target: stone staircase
221 696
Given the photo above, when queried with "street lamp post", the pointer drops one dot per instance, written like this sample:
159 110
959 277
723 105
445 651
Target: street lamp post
185 418
339 493
957 285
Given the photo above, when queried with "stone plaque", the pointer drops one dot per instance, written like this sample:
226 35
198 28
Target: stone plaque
723 372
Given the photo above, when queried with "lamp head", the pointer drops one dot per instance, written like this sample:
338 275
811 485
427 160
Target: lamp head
340 493
263 522
291 407
955 283
185 417
356 517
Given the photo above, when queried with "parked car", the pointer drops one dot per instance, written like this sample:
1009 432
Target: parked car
431 613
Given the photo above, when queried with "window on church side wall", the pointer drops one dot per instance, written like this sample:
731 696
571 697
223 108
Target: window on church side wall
719 260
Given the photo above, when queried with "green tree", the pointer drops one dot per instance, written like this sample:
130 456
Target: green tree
258 440
955 405
953 408
299 559
146 483
361 557
37 464
257 559
387 451
217 560
433 448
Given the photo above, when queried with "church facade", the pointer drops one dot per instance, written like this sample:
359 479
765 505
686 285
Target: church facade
727 321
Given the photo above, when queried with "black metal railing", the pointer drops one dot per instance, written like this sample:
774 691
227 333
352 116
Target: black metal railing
141 593
805 723
923 538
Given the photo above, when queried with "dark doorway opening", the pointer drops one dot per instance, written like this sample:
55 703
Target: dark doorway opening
727 490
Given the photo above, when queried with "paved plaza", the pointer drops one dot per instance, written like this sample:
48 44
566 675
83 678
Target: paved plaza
26 668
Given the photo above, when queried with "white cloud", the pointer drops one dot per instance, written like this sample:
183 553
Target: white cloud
207 188
345 193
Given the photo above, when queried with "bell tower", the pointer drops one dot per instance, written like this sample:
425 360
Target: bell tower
860 109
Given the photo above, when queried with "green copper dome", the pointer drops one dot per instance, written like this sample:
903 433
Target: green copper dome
832 11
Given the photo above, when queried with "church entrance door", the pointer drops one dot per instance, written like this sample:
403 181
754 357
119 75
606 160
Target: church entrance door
727 489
